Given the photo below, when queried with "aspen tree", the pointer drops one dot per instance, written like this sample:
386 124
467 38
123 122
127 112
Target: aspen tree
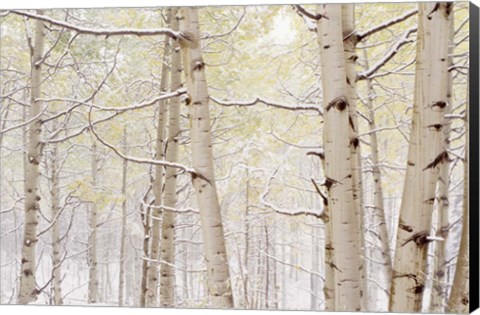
426 155
218 275
152 276
458 302
383 254
56 257
350 42
440 280
167 272
345 240
28 291
92 239
147 227
123 237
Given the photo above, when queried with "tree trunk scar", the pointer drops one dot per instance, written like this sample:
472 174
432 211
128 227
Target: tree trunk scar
340 103
442 157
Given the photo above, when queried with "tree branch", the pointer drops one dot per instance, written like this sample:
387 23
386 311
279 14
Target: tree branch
104 32
302 11
208 36
388 56
268 103
387 24
307 212
184 168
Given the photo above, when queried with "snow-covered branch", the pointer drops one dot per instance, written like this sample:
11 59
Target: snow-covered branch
142 105
25 123
387 24
184 168
147 103
304 12
208 36
299 267
176 210
263 199
388 56
258 100
102 32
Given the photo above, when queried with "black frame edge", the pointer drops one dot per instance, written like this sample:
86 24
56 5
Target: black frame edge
474 157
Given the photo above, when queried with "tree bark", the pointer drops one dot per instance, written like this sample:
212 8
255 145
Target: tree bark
426 155
121 274
92 241
458 301
28 292
350 55
440 280
218 275
167 272
246 219
146 221
267 266
338 166
314 279
329 286
328 253
56 257
379 219
153 272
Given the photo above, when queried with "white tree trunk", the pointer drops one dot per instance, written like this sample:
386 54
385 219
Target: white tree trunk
28 292
426 154
381 272
246 219
314 279
345 240
153 272
146 221
219 287
121 274
458 301
56 257
329 267
440 279
350 55
167 272
92 240
329 286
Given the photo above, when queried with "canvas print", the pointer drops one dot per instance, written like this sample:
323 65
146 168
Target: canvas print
281 157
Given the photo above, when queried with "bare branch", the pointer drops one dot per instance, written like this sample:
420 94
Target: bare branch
302 11
301 212
387 24
184 168
104 32
208 36
258 100
388 56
